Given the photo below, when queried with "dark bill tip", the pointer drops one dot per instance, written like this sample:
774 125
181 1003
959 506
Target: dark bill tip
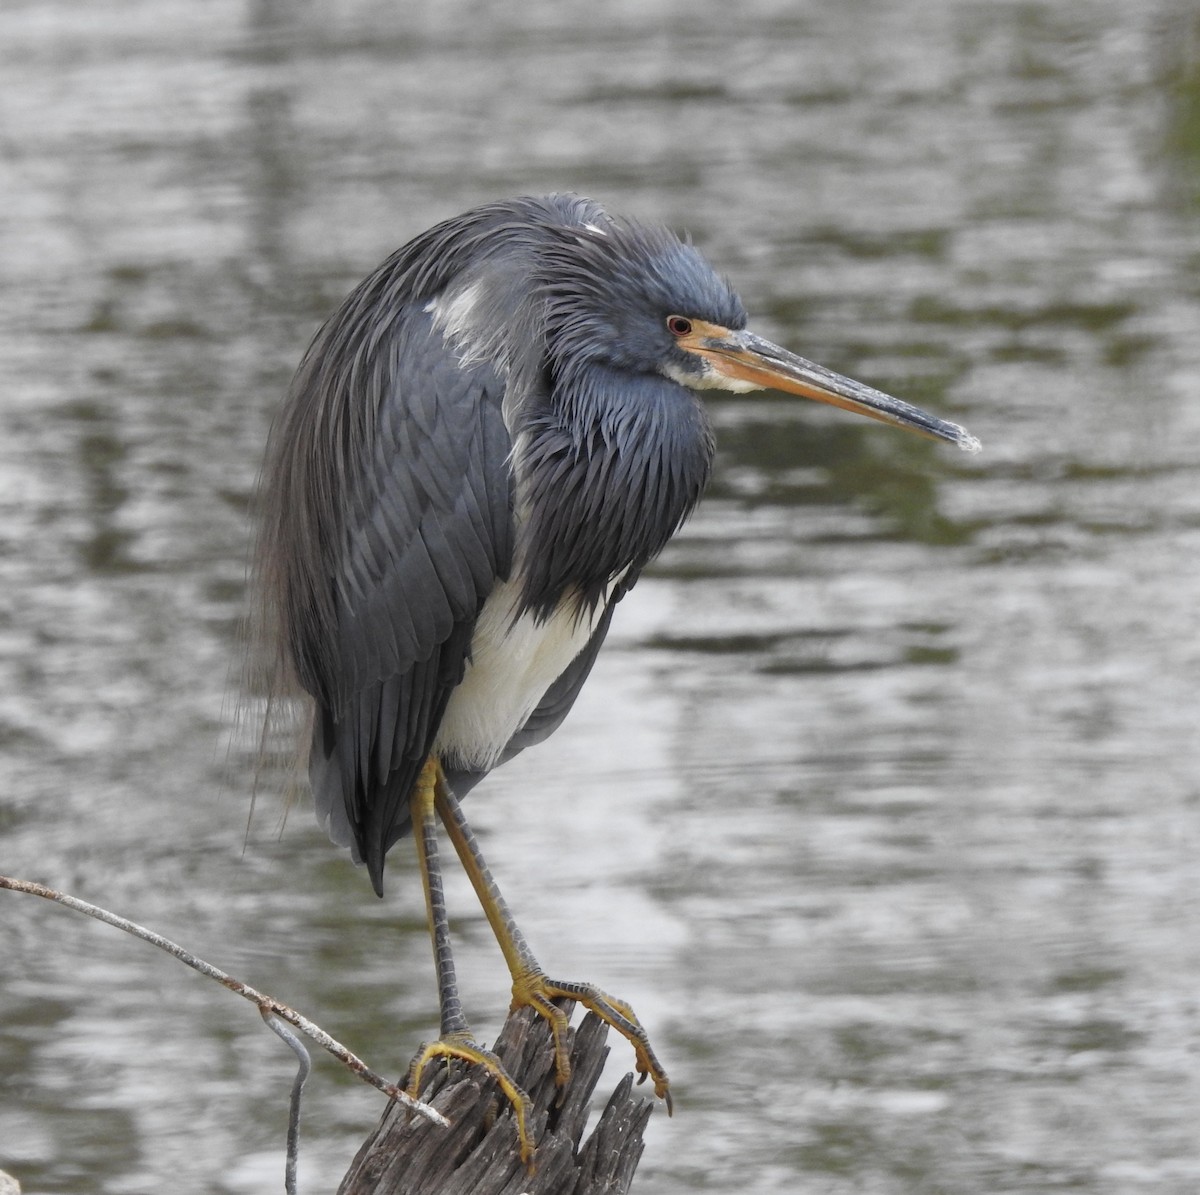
752 359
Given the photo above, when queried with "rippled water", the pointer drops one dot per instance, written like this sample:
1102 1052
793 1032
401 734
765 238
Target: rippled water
882 806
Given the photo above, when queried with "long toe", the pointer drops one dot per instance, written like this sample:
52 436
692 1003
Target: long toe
539 992
464 1047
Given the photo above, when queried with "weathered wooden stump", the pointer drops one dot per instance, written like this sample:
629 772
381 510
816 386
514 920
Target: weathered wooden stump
478 1154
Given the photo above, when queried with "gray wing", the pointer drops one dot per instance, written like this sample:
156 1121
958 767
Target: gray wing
408 509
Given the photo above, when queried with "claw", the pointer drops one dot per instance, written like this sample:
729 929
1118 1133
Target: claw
462 1046
538 992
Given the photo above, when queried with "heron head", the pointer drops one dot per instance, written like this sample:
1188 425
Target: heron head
635 297
611 289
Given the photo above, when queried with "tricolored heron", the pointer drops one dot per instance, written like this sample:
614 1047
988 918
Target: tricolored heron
481 451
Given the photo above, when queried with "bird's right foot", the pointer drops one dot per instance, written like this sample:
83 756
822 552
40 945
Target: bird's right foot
463 1046
532 988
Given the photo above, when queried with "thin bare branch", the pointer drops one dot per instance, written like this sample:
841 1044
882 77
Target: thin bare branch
298 1048
267 1005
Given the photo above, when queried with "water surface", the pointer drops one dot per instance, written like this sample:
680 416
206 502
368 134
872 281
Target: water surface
882 804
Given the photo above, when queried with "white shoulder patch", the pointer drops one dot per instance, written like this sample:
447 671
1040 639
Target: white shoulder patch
452 311
457 316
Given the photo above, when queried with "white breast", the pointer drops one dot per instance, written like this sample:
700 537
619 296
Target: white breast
513 663
514 658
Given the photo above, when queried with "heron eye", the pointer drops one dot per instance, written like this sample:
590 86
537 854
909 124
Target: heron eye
678 325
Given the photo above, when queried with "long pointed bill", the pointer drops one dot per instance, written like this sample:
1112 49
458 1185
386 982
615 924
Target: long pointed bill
750 362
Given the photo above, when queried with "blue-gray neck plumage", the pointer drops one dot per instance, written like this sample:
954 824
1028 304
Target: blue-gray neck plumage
613 453
607 473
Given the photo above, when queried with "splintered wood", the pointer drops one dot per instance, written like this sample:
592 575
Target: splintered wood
478 1154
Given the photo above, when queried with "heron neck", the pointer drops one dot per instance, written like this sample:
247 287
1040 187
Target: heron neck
606 473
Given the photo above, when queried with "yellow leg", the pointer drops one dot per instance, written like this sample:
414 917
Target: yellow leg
456 1040
530 984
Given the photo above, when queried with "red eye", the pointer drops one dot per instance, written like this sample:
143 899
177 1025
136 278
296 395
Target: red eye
678 326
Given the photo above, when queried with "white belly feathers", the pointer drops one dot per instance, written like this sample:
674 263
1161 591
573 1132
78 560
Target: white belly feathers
513 663
514 660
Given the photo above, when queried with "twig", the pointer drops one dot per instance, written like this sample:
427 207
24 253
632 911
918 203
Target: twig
277 1027
267 1005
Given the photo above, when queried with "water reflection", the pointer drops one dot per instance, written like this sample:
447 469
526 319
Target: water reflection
881 807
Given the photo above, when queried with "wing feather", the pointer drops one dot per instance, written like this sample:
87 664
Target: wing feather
379 572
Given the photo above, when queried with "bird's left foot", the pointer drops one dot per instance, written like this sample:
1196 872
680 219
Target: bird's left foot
539 993
463 1045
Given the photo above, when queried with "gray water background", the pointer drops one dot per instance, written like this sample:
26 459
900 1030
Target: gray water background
883 804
